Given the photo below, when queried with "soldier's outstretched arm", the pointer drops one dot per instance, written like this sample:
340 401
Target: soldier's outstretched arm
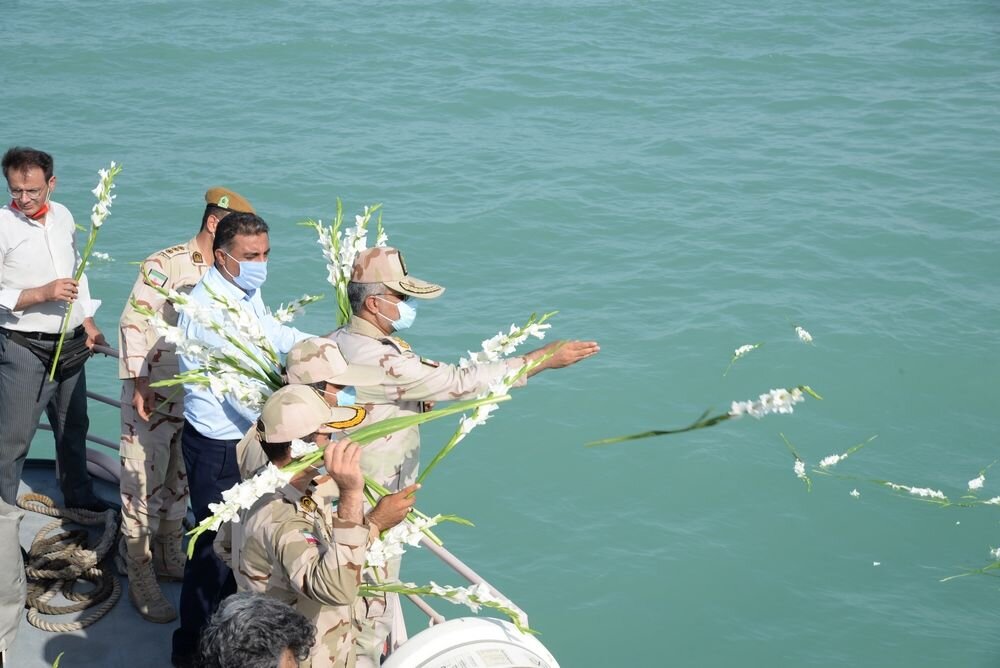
564 353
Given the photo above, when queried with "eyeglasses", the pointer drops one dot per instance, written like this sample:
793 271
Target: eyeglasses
32 193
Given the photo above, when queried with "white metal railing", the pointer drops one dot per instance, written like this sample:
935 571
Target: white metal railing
439 551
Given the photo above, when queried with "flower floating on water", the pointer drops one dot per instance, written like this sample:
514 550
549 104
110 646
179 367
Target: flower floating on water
977 483
923 492
104 257
741 352
776 401
855 493
995 553
804 336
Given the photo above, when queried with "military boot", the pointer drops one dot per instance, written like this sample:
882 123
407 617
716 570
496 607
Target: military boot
143 590
168 551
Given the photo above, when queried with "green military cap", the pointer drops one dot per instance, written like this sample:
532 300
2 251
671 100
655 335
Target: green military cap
228 200
385 265
294 411
318 359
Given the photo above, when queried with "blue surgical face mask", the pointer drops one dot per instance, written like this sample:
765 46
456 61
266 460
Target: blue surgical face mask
407 314
252 274
347 396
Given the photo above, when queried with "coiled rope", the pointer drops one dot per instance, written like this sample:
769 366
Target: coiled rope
56 563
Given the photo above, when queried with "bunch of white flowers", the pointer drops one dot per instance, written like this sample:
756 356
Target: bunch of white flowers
102 208
241 497
924 492
408 532
503 345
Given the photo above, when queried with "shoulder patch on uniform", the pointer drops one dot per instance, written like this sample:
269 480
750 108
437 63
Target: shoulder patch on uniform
173 250
156 278
398 343
310 537
198 257
307 504
354 421
424 360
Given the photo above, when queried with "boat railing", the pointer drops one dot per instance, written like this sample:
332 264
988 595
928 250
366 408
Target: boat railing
439 551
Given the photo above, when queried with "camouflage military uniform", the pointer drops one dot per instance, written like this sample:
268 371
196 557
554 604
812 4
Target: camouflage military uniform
410 381
292 546
153 482
394 460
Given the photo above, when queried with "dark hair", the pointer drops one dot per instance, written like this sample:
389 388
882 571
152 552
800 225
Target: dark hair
22 158
277 451
357 293
212 210
253 631
237 223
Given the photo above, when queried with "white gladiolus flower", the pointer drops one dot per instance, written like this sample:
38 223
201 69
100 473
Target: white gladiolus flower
800 468
804 336
855 493
924 492
995 553
977 483
743 350
995 501
407 532
776 401
832 460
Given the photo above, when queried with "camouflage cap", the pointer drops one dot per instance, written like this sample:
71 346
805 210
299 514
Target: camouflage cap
294 411
385 265
318 359
228 200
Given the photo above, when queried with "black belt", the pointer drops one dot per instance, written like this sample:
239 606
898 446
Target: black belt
43 336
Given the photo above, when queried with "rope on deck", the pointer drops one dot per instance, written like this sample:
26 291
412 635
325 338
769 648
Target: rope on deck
56 563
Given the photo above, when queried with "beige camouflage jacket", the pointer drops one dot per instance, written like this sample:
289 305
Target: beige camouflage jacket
291 545
143 352
410 381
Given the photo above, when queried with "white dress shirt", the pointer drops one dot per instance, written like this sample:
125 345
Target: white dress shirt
33 253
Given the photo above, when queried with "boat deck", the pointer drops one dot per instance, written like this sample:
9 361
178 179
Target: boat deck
121 639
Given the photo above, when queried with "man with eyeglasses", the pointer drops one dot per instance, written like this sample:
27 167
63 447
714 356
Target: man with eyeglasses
38 258
154 486
382 293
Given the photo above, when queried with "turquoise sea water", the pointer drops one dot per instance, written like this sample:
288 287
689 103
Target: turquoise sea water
677 179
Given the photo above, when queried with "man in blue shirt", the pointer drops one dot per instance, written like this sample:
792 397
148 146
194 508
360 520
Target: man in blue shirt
213 425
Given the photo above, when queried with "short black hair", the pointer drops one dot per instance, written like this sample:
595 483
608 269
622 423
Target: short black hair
21 158
249 224
278 451
253 631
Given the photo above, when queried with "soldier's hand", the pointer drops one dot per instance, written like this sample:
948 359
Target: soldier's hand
564 353
60 290
393 508
343 463
142 399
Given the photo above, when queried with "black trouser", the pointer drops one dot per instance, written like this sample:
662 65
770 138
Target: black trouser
211 469
25 391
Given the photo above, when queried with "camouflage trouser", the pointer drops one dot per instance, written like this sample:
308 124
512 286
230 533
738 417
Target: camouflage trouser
374 617
153 481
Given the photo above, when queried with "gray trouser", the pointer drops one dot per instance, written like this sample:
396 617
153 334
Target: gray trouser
21 404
